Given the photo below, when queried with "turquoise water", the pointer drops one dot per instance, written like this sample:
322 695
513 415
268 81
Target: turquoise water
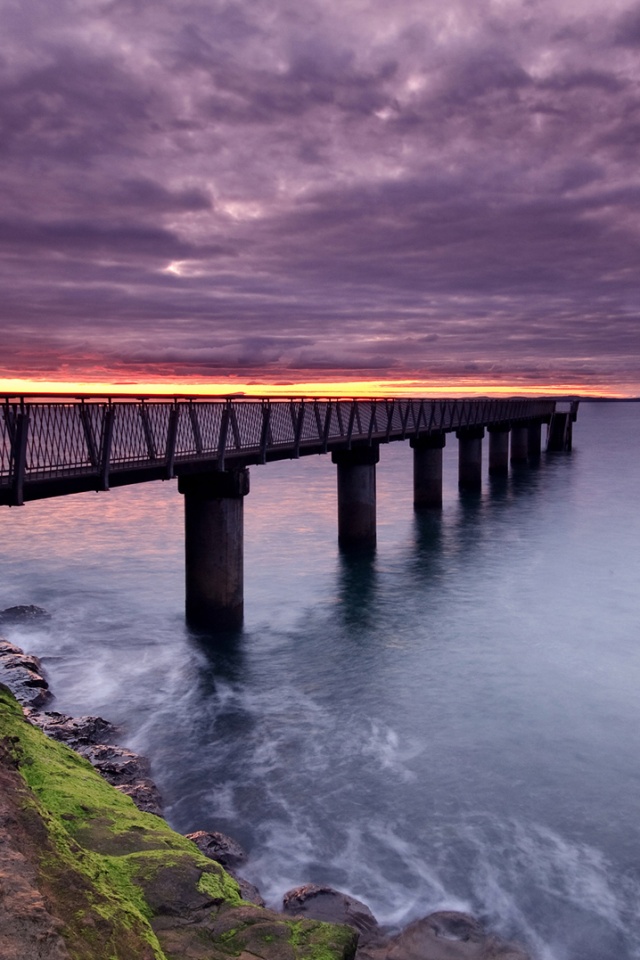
450 724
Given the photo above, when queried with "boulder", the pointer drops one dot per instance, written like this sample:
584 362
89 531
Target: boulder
23 613
332 906
447 935
228 853
219 847
144 794
117 764
21 674
17 660
127 771
74 731
248 891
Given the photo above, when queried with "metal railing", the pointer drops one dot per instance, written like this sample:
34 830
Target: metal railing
104 440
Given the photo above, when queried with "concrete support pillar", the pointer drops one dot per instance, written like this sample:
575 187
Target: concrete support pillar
470 458
519 444
498 451
427 470
357 496
534 433
214 548
559 437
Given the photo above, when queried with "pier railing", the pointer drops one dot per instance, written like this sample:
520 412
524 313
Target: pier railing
50 447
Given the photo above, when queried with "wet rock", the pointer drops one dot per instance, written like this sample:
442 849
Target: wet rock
74 731
251 933
15 659
144 794
191 906
117 764
228 853
88 736
23 613
9 650
21 674
248 890
127 771
219 847
325 903
446 935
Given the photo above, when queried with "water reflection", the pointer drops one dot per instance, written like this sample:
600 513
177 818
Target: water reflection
222 656
357 582
428 540
498 490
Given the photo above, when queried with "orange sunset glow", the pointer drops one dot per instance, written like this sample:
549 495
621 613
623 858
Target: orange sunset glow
330 388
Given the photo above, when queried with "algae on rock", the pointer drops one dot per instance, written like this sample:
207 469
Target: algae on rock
119 884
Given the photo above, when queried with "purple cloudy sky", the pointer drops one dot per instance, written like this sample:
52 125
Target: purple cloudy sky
327 188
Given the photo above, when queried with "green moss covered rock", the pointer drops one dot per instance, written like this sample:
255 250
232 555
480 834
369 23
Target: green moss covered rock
99 880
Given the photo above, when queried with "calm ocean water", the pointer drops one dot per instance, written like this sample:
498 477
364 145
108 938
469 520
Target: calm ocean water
452 724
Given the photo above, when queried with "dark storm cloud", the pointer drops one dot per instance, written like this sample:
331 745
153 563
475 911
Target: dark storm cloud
424 189
628 27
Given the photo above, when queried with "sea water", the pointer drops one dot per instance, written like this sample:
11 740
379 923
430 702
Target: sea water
451 723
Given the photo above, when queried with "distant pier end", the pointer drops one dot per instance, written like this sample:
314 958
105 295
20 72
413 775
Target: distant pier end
561 428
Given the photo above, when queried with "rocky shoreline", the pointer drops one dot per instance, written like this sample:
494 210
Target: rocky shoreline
445 935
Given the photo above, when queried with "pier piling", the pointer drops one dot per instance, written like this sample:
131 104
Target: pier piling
214 551
470 457
498 451
357 496
519 444
534 434
427 470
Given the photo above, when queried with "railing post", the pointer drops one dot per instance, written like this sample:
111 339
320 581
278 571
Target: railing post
87 427
172 434
298 422
148 432
265 432
327 426
235 429
318 419
195 427
19 457
352 419
107 437
224 430
390 412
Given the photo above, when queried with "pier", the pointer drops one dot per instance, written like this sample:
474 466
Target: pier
53 447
